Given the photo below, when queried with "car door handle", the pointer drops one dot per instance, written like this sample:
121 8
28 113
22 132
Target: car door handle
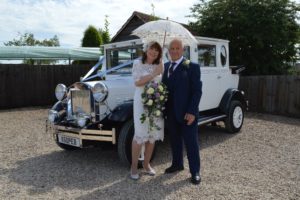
218 77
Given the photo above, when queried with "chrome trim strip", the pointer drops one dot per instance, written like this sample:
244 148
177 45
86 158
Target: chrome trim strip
85 134
211 119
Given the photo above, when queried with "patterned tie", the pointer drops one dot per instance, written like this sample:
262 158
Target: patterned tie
171 69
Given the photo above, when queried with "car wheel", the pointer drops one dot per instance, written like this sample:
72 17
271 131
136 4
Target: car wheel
235 118
124 144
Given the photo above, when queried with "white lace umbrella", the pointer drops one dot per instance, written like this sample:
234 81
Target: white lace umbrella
164 31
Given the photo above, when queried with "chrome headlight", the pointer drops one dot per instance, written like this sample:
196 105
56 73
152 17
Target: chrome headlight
60 91
100 92
52 115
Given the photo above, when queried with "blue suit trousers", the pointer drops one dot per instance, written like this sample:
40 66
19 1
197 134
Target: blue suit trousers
179 134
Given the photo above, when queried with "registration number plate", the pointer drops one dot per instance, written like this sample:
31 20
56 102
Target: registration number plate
68 140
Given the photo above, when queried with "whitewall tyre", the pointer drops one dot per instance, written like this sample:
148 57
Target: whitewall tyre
235 118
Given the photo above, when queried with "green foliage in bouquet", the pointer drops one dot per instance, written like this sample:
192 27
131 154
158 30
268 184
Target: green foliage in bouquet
154 98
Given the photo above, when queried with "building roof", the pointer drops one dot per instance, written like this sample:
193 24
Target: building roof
142 16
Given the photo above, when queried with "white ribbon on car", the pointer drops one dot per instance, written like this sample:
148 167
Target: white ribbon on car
103 73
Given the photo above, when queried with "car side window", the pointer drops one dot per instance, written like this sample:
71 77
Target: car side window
120 56
207 55
223 56
186 52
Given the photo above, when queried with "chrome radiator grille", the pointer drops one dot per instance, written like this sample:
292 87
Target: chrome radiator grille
81 102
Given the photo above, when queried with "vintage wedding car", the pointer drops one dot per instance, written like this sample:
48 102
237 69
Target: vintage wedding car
100 106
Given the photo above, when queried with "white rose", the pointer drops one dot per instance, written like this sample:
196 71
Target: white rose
160 88
157 113
161 97
187 62
150 91
145 47
150 102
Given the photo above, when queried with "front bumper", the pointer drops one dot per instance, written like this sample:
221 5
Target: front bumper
86 134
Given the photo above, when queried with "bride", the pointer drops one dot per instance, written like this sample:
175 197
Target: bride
145 70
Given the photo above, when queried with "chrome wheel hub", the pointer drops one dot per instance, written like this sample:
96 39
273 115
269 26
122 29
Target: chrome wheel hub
238 117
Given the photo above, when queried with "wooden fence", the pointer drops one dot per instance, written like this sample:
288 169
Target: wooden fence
33 85
272 94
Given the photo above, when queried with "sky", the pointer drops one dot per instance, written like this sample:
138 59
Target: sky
69 18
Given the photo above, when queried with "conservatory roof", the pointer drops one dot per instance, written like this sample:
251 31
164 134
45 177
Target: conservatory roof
49 53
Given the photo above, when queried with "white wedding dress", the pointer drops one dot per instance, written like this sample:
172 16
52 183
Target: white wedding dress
142 133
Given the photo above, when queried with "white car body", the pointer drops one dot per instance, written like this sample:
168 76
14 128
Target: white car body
216 79
102 110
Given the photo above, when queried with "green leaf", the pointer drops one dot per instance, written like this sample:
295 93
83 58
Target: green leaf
263 34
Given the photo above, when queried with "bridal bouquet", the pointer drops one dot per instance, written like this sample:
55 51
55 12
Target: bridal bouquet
154 97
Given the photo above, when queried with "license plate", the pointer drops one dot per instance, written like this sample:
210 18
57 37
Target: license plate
68 140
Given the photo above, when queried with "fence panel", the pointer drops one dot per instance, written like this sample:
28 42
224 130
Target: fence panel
272 94
33 85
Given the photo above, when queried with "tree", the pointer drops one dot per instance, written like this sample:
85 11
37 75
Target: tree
262 33
105 33
27 39
91 37
52 42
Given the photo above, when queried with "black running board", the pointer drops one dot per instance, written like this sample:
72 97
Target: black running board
208 119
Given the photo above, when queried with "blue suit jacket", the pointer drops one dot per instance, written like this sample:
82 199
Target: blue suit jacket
185 89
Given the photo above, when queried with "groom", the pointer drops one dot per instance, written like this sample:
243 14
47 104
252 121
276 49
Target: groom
185 89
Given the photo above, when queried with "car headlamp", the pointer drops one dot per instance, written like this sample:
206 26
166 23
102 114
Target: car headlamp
60 91
100 92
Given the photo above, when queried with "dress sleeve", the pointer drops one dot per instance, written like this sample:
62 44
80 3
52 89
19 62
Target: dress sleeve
136 70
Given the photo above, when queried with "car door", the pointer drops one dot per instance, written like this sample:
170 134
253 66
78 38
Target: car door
210 75
225 78
120 82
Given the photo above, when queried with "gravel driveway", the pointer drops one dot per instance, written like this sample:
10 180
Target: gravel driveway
260 162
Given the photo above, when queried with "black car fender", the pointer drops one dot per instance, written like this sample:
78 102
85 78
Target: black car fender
58 106
122 112
230 95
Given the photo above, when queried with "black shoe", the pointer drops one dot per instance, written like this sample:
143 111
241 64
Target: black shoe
173 169
196 179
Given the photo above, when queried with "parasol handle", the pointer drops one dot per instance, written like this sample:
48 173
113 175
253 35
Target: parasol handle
164 39
163 46
165 35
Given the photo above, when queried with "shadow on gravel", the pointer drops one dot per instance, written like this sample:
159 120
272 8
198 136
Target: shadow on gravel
87 169
213 135
158 187
208 136
82 169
